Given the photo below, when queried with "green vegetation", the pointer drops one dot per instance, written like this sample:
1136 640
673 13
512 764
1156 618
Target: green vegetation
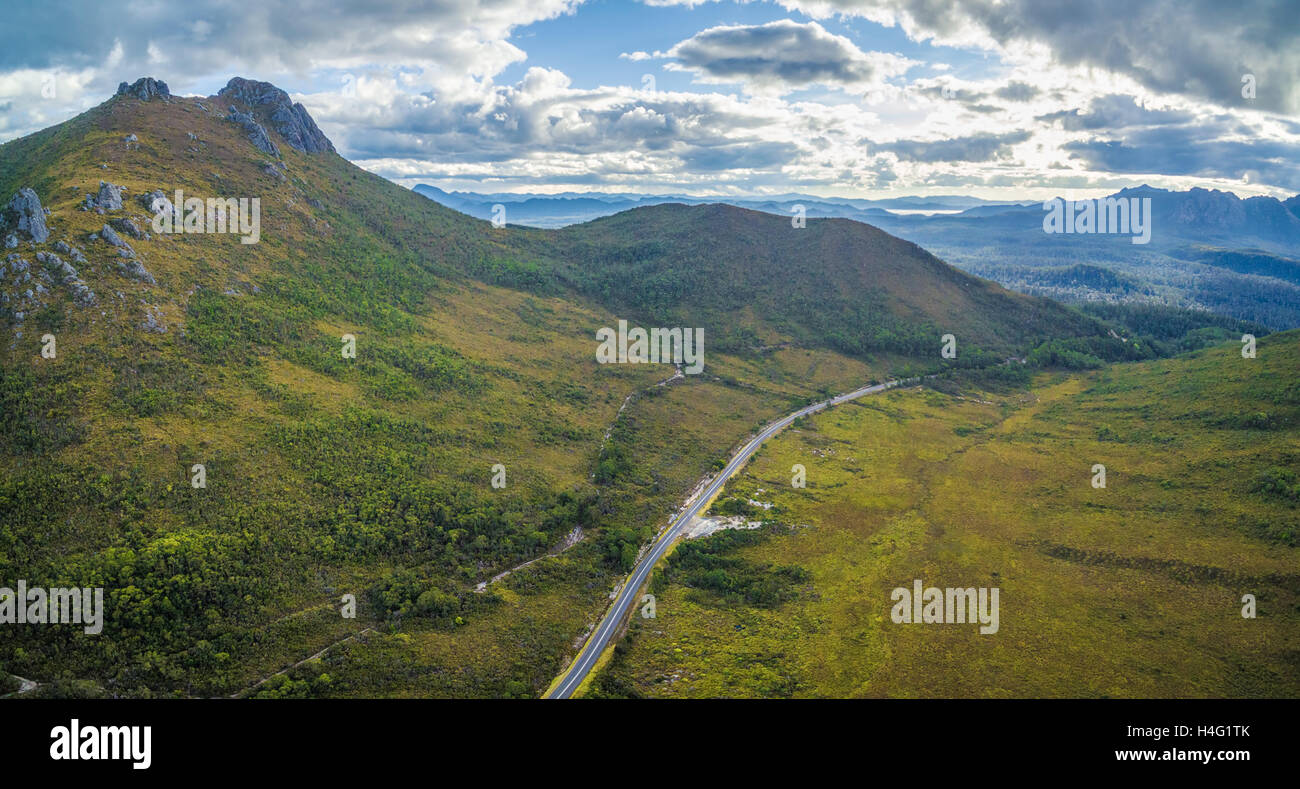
370 477
1132 590
1172 330
329 476
719 267
1278 482
705 565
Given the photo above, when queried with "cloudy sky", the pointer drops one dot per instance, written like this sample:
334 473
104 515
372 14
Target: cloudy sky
989 98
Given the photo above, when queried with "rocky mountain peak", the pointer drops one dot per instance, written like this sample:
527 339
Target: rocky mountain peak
291 121
144 89
1293 205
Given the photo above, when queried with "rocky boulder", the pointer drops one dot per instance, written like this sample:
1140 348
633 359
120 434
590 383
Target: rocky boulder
136 270
25 212
110 196
156 202
64 248
110 235
275 170
129 227
108 199
17 296
153 321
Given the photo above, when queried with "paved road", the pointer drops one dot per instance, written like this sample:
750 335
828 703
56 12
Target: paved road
628 594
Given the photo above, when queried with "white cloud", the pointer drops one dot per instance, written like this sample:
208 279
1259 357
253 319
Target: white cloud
782 56
414 93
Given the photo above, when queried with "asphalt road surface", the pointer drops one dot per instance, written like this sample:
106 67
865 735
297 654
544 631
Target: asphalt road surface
599 639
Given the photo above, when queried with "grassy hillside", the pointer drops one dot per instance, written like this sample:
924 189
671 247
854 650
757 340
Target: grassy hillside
833 282
1134 590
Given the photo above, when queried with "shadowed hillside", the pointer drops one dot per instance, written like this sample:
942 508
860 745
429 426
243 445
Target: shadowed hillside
834 281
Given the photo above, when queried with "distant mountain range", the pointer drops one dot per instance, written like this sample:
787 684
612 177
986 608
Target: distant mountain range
567 208
1209 249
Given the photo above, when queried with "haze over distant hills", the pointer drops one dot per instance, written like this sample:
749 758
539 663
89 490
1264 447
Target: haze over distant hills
567 208
1209 249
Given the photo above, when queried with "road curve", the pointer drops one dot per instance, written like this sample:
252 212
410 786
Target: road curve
599 639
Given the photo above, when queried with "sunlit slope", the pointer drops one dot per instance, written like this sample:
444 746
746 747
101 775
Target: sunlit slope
1132 590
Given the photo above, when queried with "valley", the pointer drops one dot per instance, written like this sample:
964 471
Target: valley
365 367
367 474
1134 589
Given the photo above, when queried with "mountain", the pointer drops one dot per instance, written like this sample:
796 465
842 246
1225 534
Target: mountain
1193 233
1206 214
558 210
1192 260
723 266
315 412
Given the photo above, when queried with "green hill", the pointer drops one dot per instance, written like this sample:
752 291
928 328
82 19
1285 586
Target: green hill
834 282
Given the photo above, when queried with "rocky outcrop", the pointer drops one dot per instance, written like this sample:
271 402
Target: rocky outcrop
23 288
291 121
136 270
153 320
26 214
256 133
15 268
145 89
110 236
64 248
130 266
108 199
129 227
60 272
275 170
156 202
1209 207
15 274
110 196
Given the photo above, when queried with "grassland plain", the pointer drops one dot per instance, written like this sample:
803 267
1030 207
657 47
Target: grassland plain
1134 590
